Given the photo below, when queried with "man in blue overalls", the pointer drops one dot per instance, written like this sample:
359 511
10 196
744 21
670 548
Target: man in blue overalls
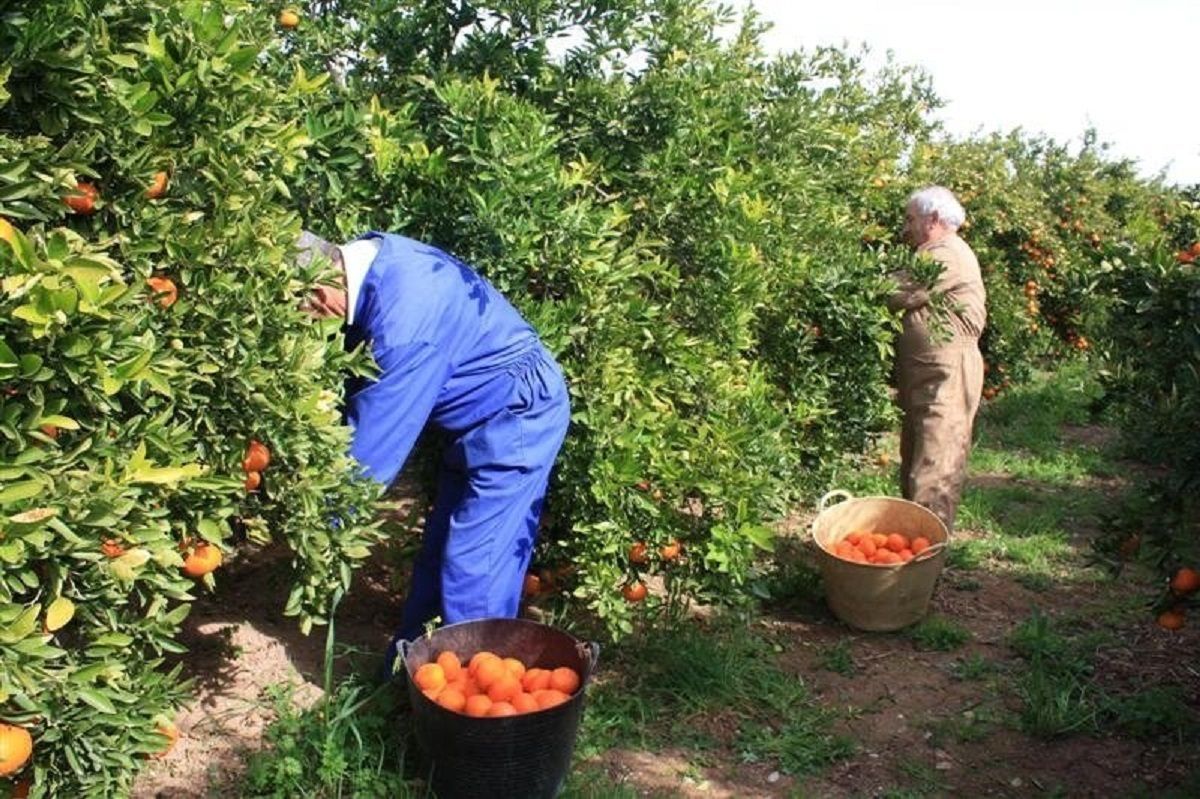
452 352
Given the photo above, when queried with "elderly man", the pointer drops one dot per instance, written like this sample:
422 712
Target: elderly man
940 372
452 352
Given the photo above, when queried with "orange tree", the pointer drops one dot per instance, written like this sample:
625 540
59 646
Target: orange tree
149 331
683 236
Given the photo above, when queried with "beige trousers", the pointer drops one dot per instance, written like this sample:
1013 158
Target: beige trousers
939 393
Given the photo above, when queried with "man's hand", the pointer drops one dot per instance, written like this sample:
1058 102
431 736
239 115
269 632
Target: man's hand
327 302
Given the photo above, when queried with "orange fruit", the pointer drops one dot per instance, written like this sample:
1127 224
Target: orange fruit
532 586
634 592
564 679
16 746
165 293
536 680
880 539
514 667
897 542
111 548
637 554
253 481
452 699
501 709
867 545
919 545
490 671
853 538
504 688
525 703
83 199
477 705
158 186
289 19
478 658
202 560
169 731
671 551
1186 581
886 557
451 666
905 555
857 556
258 457
430 677
549 698
50 431
1171 619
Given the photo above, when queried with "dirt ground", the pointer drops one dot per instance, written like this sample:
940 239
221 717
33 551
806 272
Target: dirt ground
913 723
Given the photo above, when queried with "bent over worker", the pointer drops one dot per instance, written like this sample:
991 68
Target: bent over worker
452 352
939 374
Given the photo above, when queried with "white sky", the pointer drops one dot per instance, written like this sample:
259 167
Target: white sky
1129 69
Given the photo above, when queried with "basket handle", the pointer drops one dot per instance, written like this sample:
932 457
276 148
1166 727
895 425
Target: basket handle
835 493
590 652
929 552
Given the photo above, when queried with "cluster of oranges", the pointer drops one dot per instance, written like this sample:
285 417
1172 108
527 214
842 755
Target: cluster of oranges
256 461
883 549
490 685
1184 583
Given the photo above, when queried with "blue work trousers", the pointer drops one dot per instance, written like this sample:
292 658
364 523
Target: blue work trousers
479 538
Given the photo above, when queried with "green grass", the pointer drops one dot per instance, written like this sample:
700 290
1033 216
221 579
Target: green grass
837 658
659 688
938 633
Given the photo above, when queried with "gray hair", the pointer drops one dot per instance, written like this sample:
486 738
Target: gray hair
310 245
938 200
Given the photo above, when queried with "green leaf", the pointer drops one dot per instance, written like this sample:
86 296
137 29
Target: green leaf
20 491
95 699
60 612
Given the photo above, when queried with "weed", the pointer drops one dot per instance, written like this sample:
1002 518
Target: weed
837 658
938 633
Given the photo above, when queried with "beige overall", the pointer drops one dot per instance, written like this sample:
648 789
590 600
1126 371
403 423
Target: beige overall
940 381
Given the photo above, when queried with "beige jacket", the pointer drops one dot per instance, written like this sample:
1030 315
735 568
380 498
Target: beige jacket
961 282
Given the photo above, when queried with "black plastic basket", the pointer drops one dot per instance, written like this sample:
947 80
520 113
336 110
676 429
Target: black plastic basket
526 756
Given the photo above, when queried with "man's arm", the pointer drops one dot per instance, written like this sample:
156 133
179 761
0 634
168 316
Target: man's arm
909 296
388 415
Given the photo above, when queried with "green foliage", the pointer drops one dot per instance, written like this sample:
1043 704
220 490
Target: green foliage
938 633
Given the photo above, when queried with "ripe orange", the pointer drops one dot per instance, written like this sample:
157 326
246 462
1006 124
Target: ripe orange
477 659
514 667
670 551
564 679
525 703
536 680
169 731
504 688
16 745
896 542
637 554
83 200
919 545
501 709
430 677
163 291
452 699
1186 581
549 698
289 19
532 586
158 186
489 672
111 548
634 592
1171 619
253 481
451 665
258 457
202 560
477 705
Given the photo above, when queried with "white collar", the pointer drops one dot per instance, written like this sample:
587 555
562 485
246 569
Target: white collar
356 258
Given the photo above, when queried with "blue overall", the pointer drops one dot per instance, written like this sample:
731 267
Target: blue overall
454 353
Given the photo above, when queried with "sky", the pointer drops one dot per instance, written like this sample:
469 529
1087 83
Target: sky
1128 69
